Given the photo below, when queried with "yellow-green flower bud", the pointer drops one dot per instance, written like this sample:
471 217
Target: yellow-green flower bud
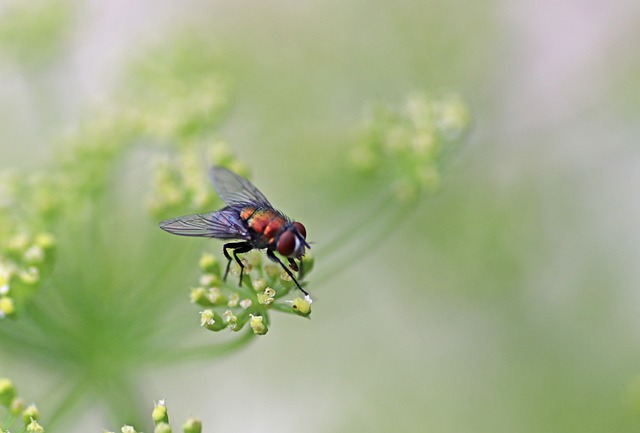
216 297
230 319
31 412
253 258
257 325
30 276
7 392
162 427
17 406
7 307
212 321
46 241
272 270
209 280
452 117
34 427
301 306
128 429
209 264
286 280
192 425
425 143
18 243
307 264
234 300
159 413
33 255
199 296
5 278
266 297
259 284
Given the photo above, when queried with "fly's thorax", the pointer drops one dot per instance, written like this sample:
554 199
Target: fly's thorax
264 221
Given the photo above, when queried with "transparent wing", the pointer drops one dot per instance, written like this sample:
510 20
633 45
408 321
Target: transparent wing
235 189
224 224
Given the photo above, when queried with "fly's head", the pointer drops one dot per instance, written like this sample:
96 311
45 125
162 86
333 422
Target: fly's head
292 242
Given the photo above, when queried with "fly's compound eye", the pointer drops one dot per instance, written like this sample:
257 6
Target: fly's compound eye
287 243
300 229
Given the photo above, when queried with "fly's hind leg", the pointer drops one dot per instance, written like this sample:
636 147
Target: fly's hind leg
237 248
275 258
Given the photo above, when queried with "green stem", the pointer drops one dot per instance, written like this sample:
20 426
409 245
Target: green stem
16 338
356 227
376 235
122 400
203 352
66 404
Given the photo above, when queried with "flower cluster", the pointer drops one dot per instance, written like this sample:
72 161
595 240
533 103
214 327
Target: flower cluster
30 205
180 92
181 184
103 315
26 249
265 287
23 259
160 416
408 144
19 415
33 33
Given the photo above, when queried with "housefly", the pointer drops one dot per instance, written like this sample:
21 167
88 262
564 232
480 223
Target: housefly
248 219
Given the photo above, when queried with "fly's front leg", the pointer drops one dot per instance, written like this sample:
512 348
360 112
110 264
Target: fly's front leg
275 258
237 247
293 265
299 268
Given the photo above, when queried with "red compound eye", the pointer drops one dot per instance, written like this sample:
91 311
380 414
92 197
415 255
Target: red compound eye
301 229
286 243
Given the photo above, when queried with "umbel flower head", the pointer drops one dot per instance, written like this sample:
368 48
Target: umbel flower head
92 292
409 144
26 250
18 415
265 288
87 281
160 417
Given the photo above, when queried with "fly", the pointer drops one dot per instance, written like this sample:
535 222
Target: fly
249 220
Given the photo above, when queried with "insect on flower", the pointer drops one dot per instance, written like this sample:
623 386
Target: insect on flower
248 218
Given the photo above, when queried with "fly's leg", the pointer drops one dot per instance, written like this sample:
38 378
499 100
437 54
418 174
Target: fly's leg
299 268
293 265
275 258
238 248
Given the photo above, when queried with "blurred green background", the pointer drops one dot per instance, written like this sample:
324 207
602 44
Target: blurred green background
508 302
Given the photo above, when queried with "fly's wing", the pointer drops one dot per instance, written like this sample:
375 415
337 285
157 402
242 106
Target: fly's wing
235 189
224 224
